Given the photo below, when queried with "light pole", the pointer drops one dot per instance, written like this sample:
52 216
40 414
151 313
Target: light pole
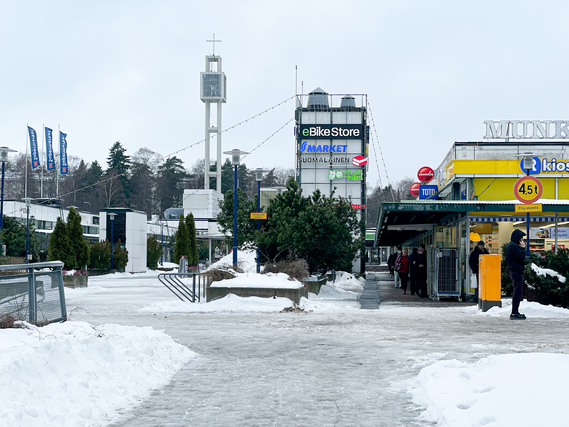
112 217
28 203
528 166
235 157
3 158
259 173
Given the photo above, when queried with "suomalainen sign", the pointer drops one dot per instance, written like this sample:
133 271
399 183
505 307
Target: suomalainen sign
527 129
348 131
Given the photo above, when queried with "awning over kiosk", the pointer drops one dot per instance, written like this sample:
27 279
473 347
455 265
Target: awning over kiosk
403 221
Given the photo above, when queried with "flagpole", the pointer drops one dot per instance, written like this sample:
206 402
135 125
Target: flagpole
26 180
57 171
41 165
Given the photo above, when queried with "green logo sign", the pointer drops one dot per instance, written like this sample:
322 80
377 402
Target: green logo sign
350 175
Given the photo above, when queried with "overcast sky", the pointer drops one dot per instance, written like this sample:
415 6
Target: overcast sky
128 71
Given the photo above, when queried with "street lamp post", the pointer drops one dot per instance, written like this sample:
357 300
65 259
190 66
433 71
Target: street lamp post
112 217
28 203
259 173
528 166
235 158
3 158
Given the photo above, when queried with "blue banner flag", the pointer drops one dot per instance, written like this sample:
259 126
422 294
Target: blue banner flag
49 149
35 157
62 153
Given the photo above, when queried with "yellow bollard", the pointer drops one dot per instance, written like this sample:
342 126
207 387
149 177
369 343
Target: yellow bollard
490 289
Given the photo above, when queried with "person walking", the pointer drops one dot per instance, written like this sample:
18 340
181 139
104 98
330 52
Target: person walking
473 261
397 279
515 256
413 271
391 263
403 270
422 272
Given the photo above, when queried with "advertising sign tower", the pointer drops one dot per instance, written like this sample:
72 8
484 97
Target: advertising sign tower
332 147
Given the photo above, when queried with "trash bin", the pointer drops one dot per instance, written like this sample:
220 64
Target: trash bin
489 278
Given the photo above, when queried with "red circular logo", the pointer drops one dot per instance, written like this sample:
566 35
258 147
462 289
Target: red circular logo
425 174
414 189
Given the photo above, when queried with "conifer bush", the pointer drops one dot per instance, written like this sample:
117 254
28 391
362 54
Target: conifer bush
182 245
193 256
100 255
79 246
153 252
59 248
548 289
120 256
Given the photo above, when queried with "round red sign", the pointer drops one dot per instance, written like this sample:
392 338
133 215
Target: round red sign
425 174
414 189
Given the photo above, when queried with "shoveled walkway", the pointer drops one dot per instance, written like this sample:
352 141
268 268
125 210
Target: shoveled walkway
389 294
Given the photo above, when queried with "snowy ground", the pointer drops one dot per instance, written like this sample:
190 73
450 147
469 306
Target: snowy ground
134 355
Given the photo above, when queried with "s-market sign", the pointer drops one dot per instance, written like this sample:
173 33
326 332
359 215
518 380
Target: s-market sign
350 131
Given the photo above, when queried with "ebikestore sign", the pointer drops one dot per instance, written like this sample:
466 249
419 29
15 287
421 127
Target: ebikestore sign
351 131
527 129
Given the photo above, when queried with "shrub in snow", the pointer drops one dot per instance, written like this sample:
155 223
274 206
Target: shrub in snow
120 256
544 280
153 252
296 268
100 255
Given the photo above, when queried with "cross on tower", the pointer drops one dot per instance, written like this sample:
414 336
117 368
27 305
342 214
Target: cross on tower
213 41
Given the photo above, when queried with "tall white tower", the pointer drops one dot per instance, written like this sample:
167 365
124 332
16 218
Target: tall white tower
213 90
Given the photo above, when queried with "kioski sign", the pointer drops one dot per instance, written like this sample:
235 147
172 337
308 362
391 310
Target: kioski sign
425 174
414 189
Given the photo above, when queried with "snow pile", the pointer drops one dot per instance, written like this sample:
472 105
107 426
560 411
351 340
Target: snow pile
74 374
246 260
228 304
530 309
269 280
347 282
504 390
546 271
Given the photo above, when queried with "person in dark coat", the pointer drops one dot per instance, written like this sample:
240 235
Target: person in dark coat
403 269
413 271
391 261
515 256
473 261
422 272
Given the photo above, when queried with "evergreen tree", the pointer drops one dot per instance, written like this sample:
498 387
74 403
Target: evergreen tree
14 237
59 246
78 244
153 252
120 256
246 227
322 230
100 255
117 186
182 246
193 256
171 182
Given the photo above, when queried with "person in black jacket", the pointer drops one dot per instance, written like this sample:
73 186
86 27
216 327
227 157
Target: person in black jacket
413 270
473 260
422 272
515 256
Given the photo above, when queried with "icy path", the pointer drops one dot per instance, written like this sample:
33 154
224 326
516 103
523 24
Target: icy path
321 369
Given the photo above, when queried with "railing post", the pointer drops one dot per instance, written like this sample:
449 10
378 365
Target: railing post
32 298
59 274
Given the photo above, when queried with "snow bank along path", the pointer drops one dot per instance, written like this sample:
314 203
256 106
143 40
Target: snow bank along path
74 374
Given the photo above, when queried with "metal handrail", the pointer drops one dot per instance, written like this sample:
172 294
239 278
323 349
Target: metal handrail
177 287
48 264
